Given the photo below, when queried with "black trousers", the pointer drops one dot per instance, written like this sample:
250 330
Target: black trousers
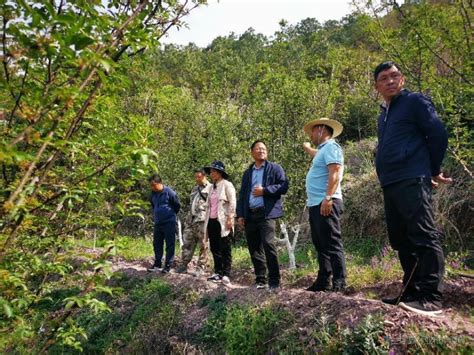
260 234
220 248
164 233
412 232
326 237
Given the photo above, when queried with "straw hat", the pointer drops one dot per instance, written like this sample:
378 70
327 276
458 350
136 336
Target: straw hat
336 126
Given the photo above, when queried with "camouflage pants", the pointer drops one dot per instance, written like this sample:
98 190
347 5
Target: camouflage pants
194 235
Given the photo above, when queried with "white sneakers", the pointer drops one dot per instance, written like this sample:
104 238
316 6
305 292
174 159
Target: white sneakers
218 279
225 280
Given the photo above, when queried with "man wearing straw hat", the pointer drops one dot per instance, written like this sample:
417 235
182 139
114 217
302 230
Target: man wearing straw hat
323 189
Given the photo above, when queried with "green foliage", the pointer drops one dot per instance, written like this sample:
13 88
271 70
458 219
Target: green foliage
69 159
237 329
148 307
326 337
86 116
420 340
366 338
139 308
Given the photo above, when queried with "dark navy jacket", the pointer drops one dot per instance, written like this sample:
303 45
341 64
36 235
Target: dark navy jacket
165 206
412 139
275 185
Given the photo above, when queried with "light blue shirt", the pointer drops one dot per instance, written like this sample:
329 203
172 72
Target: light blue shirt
317 178
257 180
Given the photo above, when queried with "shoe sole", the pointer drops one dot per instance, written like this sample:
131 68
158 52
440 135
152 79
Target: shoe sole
419 311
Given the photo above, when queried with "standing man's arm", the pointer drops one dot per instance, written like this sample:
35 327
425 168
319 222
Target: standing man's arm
333 182
240 203
308 149
436 136
280 187
175 202
151 202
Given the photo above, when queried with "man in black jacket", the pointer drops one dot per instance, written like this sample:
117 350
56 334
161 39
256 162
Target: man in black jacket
258 207
412 142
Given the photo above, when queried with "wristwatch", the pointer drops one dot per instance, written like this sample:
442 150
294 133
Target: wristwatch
328 198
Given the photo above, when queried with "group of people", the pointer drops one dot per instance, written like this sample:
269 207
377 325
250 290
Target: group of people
412 142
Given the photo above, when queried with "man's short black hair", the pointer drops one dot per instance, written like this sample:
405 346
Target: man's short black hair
155 178
255 143
384 66
200 170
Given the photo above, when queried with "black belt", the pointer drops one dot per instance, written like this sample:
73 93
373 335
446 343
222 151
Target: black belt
256 210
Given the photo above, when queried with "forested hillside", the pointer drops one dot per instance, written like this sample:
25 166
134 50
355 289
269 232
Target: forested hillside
91 104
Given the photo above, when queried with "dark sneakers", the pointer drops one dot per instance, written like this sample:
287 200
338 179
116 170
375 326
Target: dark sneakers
166 269
319 285
260 285
338 287
396 300
423 306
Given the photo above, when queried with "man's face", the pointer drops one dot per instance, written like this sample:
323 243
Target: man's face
316 134
259 152
156 186
389 83
199 177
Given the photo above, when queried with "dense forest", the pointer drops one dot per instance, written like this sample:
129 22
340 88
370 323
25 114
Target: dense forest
91 104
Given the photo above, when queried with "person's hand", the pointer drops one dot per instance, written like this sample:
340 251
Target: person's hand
306 145
228 224
440 179
326 208
241 222
257 191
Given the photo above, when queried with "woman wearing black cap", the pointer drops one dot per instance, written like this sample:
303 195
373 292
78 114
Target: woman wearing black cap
219 221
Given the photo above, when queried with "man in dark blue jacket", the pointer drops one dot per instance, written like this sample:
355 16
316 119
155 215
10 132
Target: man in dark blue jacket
258 207
412 142
165 205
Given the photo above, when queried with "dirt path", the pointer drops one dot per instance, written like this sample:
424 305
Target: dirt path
344 309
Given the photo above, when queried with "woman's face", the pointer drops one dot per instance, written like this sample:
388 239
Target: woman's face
215 175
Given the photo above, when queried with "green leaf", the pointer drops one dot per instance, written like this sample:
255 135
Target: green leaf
81 41
144 159
8 310
105 64
69 305
66 19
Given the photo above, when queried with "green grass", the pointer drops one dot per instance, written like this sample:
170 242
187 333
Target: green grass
367 262
364 262
129 248
240 329
140 309
240 257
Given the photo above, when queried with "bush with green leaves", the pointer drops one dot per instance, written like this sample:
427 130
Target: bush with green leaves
69 159
240 329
